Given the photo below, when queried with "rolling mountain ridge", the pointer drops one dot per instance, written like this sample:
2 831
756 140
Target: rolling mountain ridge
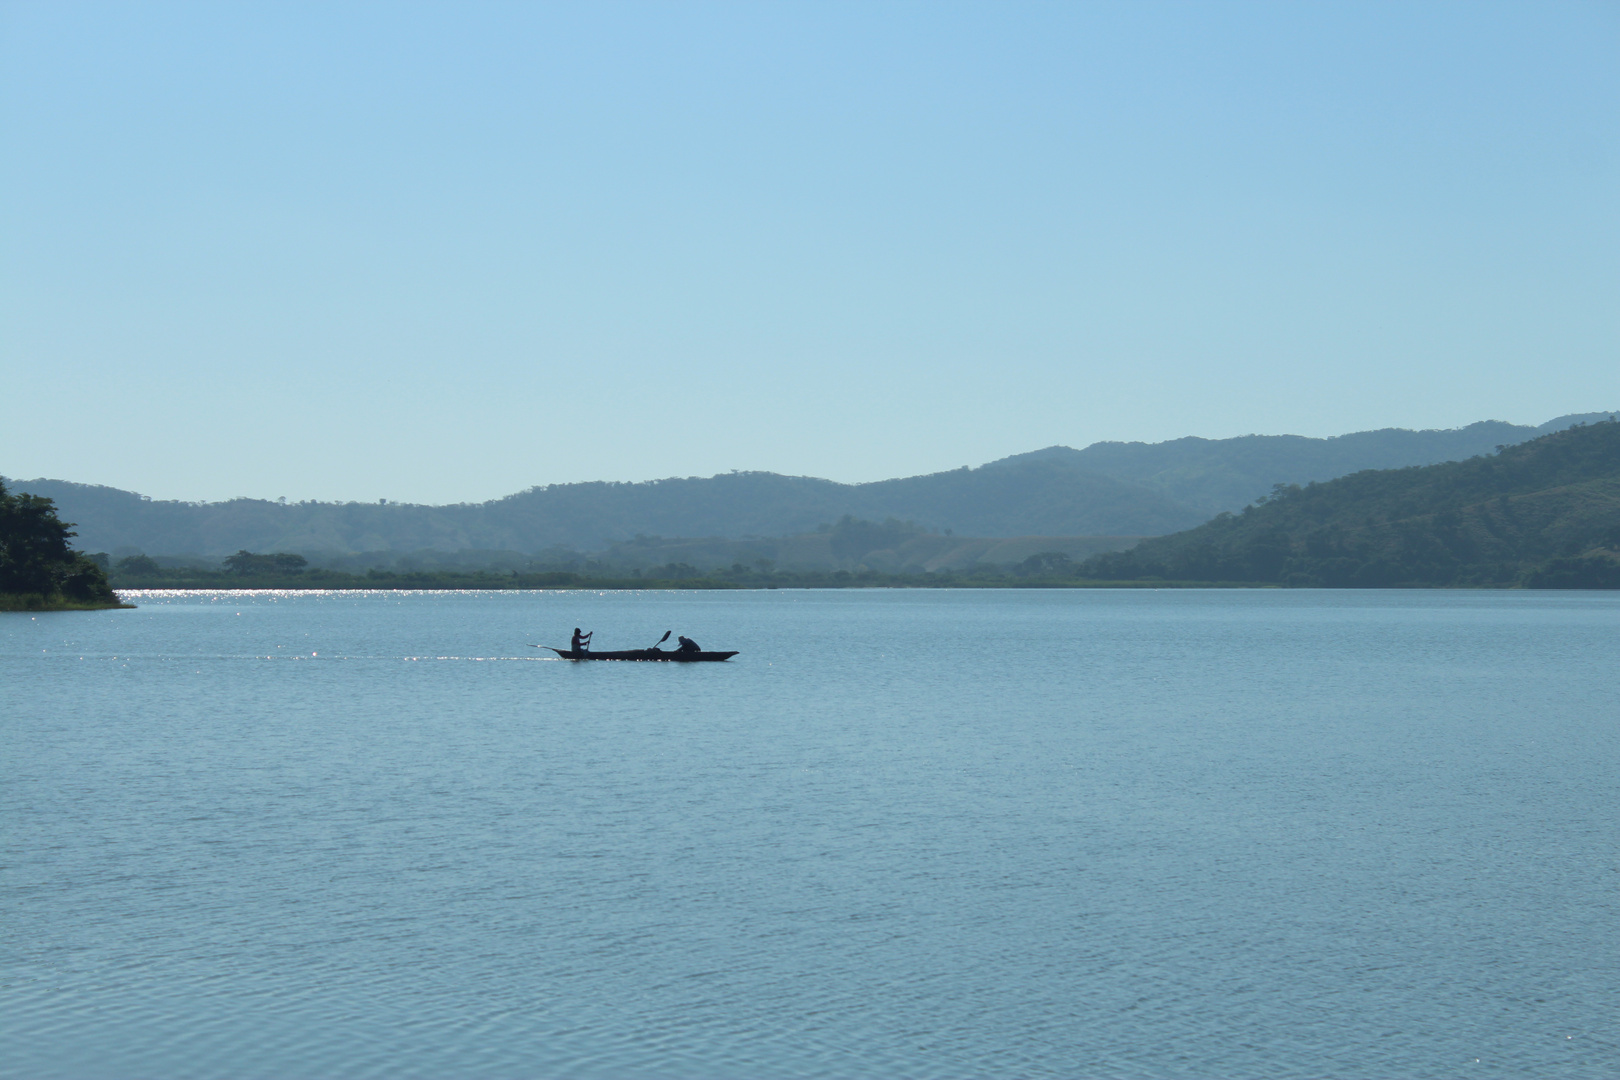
1113 489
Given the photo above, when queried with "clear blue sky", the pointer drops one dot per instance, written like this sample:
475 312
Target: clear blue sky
444 252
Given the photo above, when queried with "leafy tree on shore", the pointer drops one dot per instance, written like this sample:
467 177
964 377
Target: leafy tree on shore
139 566
36 562
1046 564
280 562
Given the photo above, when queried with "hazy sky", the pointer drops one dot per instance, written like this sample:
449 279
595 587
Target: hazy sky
445 252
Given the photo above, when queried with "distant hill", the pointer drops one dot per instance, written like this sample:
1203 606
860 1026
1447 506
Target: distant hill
1107 489
1542 513
1038 498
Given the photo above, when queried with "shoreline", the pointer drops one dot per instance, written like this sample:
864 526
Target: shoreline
32 603
671 586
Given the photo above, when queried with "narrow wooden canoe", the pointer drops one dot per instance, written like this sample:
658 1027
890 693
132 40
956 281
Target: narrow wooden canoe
642 654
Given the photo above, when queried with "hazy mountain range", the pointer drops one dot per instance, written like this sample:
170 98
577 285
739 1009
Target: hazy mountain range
1107 489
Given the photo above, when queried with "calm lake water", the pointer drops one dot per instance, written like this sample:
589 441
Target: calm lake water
903 834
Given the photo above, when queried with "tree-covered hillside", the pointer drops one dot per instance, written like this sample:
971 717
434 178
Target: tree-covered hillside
1544 513
1038 497
38 569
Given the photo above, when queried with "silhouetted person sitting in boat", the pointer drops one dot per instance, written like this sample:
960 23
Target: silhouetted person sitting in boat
687 644
580 642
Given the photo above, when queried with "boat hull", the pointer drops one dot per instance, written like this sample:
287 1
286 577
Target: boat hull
645 654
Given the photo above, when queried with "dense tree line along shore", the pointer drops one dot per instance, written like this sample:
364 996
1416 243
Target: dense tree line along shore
985 578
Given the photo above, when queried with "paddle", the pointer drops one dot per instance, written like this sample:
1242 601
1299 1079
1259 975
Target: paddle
661 640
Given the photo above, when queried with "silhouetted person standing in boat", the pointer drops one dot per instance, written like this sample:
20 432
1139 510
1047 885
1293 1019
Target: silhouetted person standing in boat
581 642
687 644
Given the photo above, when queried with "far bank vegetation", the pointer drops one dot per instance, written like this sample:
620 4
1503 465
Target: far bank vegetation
1541 514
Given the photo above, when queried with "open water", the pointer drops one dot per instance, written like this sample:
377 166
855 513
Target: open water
903 834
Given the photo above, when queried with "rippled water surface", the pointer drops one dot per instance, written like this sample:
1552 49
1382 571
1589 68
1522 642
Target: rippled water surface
914 834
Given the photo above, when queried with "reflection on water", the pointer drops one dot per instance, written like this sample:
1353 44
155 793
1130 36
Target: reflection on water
1021 834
